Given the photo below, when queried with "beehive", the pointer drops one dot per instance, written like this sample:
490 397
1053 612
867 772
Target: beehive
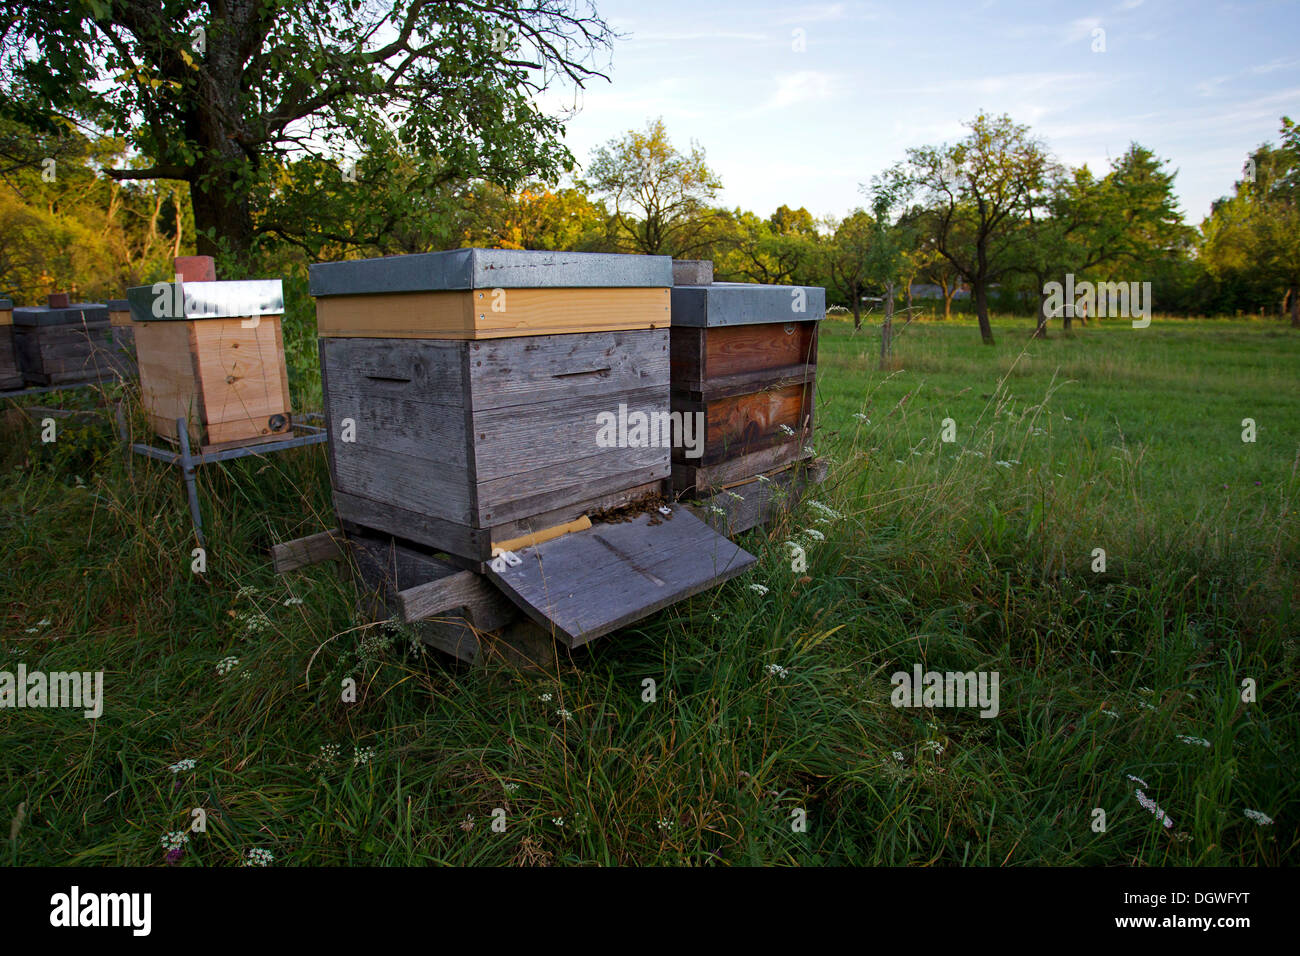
212 353
122 327
465 390
66 343
744 360
11 376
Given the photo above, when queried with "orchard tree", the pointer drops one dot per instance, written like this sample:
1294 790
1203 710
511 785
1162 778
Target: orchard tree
213 92
1256 232
975 194
658 197
847 256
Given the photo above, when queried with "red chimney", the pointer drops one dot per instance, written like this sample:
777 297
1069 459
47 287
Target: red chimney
58 300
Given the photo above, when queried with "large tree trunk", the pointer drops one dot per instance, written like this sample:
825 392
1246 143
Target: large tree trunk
887 329
857 310
982 310
221 210
1295 307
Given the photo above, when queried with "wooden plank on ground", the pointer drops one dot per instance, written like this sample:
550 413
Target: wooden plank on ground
301 552
589 583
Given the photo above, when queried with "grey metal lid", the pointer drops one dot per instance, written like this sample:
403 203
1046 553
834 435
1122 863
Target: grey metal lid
186 301
489 269
746 303
118 305
74 314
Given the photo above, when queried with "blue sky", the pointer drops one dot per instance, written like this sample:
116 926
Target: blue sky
1200 83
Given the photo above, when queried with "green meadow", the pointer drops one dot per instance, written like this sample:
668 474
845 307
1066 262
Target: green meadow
769 737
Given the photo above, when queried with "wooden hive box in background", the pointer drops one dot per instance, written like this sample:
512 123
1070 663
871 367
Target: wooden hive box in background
212 353
122 327
11 376
66 343
473 381
744 356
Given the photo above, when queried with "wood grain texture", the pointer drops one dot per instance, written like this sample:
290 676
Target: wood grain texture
469 314
303 552
242 378
471 544
227 380
748 504
587 584
707 478
528 370
742 424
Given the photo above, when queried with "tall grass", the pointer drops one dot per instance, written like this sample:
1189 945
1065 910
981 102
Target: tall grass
766 707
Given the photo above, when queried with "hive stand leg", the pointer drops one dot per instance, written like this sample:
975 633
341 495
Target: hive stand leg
187 468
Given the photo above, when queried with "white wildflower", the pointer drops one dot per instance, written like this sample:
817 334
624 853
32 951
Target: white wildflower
786 429
862 418
258 856
563 714
363 755
226 665
1137 780
182 765
1194 741
175 840
776 670
291 602
665 823
898 755
545 698
759 588
1263 819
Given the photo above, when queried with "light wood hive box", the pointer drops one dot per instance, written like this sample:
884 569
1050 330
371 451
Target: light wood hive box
11 376
463 389
66 343
744 356
212 352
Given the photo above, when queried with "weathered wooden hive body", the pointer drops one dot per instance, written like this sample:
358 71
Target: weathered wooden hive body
67 343
11 376
474 426
122 327
473 400
744 356
212 353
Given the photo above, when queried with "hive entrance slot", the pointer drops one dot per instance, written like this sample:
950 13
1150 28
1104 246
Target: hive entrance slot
594 371
389 378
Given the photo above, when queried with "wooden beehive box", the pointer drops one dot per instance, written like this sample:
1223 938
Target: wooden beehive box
212 353
464 390
744 359
122 327
66 343
11 376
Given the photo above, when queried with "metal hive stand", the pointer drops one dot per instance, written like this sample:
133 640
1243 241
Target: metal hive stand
189 462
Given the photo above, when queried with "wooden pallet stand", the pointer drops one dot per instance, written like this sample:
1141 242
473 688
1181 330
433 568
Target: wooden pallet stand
744 358
212 354
11 375
66 343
